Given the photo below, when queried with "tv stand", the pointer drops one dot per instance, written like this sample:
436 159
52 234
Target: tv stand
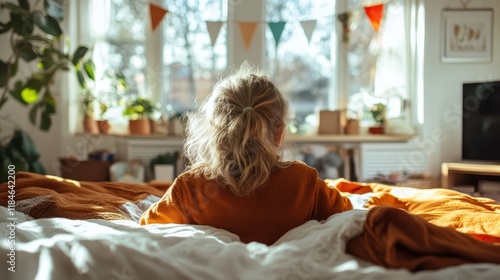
456 174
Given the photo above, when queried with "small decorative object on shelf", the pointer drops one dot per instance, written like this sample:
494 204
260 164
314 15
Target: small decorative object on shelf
378 114
163 166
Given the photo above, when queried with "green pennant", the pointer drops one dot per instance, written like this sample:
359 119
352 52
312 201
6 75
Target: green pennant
277 30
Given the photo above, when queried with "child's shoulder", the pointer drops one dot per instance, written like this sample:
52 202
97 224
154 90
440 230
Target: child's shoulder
301 167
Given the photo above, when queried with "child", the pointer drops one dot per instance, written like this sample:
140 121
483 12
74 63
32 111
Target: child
237 179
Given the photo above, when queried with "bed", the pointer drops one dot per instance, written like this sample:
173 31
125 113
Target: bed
64 229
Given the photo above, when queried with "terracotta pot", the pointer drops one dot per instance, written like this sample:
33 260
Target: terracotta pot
376 130
139 127
352 127
90 125
104 126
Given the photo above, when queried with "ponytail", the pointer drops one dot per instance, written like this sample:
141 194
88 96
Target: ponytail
232 138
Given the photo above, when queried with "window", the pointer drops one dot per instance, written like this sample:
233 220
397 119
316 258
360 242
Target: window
177 64
302 69
376 62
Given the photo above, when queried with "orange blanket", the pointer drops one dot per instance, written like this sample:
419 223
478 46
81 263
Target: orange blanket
57 197
475 216
433 237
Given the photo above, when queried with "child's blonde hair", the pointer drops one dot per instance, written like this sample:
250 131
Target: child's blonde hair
234 136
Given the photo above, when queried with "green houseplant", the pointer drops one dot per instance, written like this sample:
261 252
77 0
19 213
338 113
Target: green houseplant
139 112
36 43
378 113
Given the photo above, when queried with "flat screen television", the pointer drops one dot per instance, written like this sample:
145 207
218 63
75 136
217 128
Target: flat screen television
481 121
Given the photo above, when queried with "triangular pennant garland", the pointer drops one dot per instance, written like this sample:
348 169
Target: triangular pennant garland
156 14
213 28
308 26
247 30
375 14
277 30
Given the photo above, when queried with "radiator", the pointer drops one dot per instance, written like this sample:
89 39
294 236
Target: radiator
386 158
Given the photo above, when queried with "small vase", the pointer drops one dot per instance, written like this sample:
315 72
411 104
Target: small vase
104 126
90 125
139 127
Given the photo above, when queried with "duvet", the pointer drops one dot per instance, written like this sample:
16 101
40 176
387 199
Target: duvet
52 228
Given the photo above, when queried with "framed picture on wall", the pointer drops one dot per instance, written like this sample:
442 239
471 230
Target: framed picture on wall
467 35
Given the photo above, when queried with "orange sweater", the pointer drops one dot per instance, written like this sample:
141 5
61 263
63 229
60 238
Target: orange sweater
292 196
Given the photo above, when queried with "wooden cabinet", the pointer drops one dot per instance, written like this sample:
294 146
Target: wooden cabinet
456 174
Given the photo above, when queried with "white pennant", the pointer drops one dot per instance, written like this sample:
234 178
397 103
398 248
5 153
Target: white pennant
308 26
214 29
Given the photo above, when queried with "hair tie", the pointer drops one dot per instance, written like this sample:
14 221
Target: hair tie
247 108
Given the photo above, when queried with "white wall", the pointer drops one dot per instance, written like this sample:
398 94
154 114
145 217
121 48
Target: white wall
441 132
442 128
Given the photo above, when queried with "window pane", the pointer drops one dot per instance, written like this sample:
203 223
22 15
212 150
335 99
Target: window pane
302 70
377 60
120 49
191 64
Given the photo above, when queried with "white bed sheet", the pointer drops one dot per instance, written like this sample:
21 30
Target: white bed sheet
59 248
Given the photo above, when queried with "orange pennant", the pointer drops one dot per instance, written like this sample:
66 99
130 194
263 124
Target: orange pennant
156 13
375 14
247 30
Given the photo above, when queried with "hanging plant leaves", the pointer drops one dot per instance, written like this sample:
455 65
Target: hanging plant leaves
25 51
45 64
24 4
16 92
89 69
81 79
4 73
54 8
4 27
48 24
22 25
30 92
79 54
12 7
33 113
46 121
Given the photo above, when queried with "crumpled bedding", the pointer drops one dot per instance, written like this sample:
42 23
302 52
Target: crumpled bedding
88 230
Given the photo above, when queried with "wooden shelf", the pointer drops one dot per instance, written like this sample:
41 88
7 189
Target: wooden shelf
454 174
291 138
342 138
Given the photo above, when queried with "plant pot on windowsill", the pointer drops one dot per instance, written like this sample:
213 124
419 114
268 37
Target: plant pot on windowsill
379 129
104 126
90 125
139 126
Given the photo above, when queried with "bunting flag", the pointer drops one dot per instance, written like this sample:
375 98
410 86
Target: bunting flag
277 30
344 20
247 30
375 14
156 14
213 28
308 26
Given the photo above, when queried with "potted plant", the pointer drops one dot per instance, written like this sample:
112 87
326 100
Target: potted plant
163 166
102 122
139 111
378 113
36 41
87 104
